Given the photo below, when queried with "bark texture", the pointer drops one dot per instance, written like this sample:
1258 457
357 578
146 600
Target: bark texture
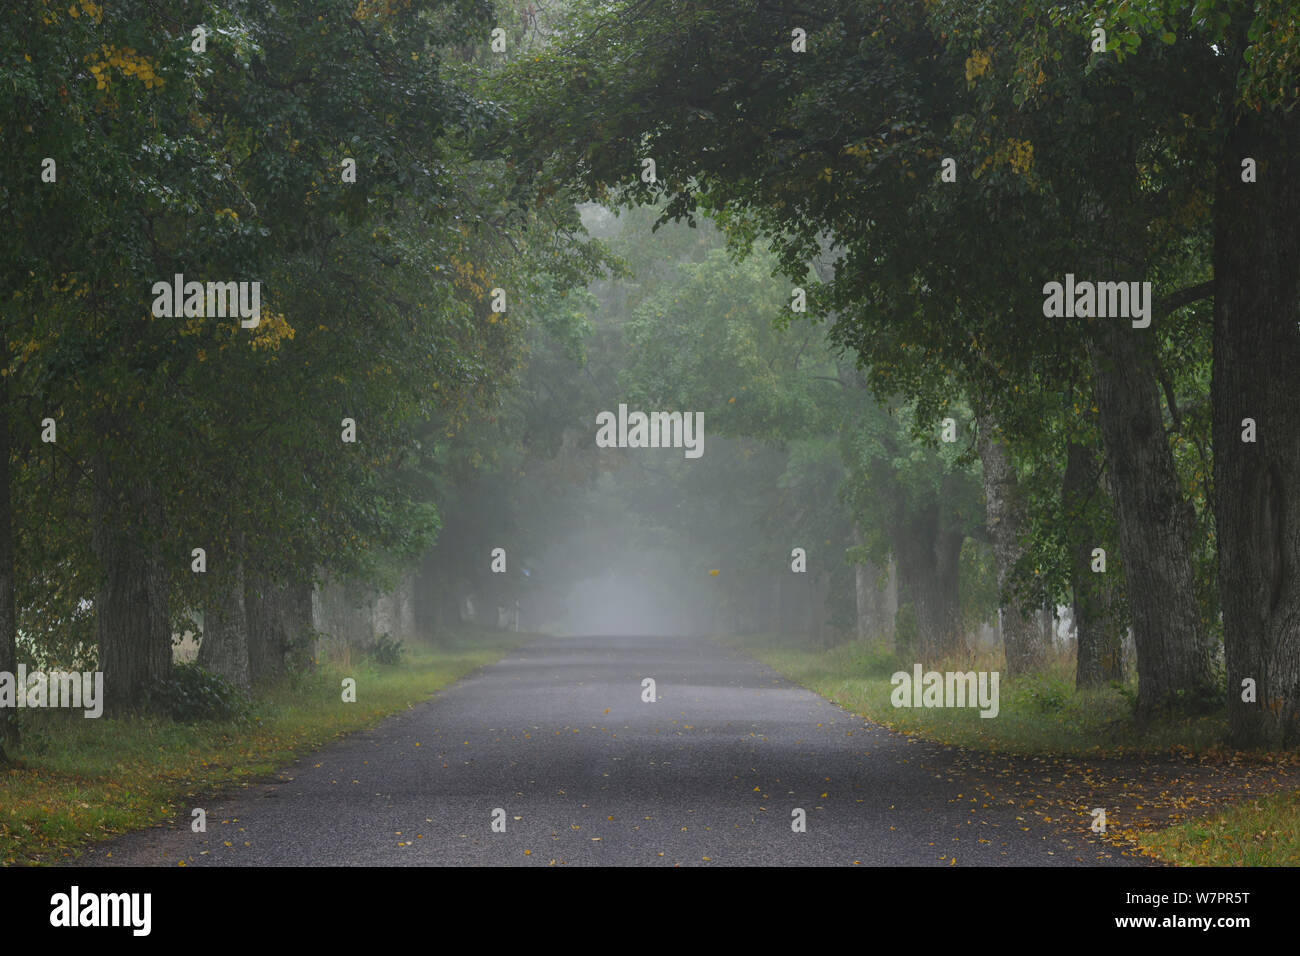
8 614
1099 620
1155 522
1257 485
132 628
928 555
279 628
1004 510
224 649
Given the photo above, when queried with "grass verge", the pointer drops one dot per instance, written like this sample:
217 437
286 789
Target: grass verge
1039 713
78 781
1263 832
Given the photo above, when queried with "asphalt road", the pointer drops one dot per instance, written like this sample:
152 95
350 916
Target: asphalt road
557 735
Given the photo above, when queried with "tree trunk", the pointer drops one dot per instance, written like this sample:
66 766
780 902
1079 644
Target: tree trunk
865 596
928 558
1005 516
1155 524
1257 485
428 600
1099 621
1047 625
132 627
889 610
875 598
265 641
8 615
224 649
279 628
435 609
819 592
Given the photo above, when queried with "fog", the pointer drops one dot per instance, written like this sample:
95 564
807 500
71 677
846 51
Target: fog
623 603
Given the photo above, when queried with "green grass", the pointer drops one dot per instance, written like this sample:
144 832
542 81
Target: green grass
78 780
1040 713
1263 832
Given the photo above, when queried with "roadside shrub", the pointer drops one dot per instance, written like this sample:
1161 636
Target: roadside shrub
1048 694
192 694
386 650
905 630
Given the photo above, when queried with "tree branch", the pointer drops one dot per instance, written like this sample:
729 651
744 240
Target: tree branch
1193 293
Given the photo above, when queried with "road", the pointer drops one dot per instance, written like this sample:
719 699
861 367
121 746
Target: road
558 737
